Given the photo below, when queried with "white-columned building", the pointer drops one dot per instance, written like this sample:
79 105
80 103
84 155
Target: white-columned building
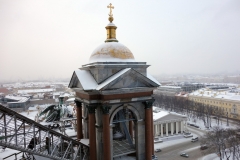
168 123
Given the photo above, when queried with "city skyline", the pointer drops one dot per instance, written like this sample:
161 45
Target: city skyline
51 39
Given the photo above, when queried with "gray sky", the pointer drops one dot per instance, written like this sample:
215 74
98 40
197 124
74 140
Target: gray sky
50 39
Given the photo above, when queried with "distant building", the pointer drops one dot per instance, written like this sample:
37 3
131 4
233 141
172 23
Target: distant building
168 90
17 103
1 97
34 91
5 91
228 100
168 123
190 87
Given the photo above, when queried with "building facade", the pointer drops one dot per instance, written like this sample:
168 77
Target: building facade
168 123
226 100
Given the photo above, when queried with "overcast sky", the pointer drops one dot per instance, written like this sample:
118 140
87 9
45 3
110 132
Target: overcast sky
52 38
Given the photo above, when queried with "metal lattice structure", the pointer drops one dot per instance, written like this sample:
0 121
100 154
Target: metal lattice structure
23 134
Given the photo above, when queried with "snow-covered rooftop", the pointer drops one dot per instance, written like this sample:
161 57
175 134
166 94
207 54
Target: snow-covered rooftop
17 98
158 113
89 83
175 87
220 94
35 91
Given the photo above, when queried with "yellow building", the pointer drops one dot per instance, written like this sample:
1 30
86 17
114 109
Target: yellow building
227 100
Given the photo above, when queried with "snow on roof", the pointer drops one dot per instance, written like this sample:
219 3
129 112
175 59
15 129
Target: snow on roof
153 79
88 82
226 94
35 91
177 87
111 52
112 78
70 100
57 93
158 113
17 98
86 79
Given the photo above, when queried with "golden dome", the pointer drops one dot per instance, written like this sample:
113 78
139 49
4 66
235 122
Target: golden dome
112 52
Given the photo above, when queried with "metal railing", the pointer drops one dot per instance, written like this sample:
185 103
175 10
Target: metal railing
23 134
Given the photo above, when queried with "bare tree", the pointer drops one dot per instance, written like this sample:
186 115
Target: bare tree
222 141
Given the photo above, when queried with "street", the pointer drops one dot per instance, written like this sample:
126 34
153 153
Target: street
191 148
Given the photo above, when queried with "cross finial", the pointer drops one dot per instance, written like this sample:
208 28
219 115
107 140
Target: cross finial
111 7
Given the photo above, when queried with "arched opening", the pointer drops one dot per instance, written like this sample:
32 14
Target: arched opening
124 122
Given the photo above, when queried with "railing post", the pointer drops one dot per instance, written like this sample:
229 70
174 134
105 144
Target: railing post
24 140
15 128
72 151
34 143
5 127
40 140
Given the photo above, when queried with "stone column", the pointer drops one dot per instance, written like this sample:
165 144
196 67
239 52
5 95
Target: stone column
152 132
171 128
92 132
106 133
181 126
177 127
79 120
161 130
156 129
167 129
148 130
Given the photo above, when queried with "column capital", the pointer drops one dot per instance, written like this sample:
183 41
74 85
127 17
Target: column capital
91 108
148 104
79 104
105 109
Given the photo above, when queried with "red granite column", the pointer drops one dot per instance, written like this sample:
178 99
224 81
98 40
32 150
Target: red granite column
92 133
148 131
79 120
152 131
106 133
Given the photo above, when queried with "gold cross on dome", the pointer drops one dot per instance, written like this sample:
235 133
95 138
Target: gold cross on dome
111 7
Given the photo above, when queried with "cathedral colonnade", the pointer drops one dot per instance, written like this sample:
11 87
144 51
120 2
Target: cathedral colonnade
166 128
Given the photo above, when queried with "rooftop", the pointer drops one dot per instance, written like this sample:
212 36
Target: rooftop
219 94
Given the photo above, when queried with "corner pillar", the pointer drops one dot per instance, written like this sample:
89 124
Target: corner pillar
148 130
152 132
106 133
79 120
92 132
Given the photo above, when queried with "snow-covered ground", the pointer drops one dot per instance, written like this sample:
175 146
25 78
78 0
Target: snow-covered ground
7 152
222 123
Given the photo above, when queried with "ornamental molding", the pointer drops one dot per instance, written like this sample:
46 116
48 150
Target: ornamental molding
149 104
91 108
105 109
